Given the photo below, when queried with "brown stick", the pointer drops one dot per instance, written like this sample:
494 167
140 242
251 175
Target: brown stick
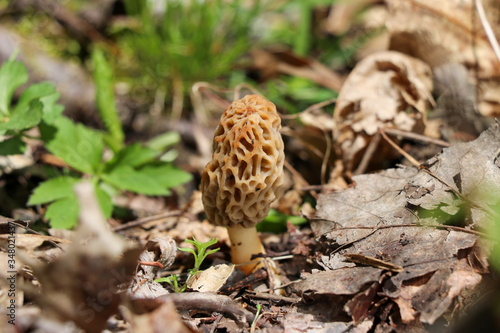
200 302
372 147
273 297
144 220
415 137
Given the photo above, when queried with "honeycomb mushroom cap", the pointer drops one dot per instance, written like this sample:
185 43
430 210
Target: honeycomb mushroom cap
245 174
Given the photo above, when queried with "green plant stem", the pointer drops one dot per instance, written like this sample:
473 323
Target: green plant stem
254 323
301 46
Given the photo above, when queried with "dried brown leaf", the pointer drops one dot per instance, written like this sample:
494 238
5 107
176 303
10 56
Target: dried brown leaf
211 279
384 216
449 32
387 89
30 242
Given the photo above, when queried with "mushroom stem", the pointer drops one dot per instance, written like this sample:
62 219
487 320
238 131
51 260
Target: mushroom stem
245 242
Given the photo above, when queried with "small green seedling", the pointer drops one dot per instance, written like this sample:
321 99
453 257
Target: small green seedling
199 256
254 323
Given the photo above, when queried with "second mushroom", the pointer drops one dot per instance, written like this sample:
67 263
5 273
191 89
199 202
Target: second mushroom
245 174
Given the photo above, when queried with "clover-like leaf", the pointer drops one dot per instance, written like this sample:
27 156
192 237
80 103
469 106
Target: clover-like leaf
79 146
24 118
133 155
34 93
167 175
127 178
63 213
53 189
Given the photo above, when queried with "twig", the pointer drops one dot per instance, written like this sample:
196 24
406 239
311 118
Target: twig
146 220
239 88
410 225
328 187
294 134
216 322
273 297
151 263
28 229
487 28
328 150
399 149
259 275
200 302
416 137
374 262
299 177
367 156
310 108
197 100
355 241
282 286
315 71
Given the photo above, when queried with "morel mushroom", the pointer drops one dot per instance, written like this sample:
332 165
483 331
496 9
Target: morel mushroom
245 174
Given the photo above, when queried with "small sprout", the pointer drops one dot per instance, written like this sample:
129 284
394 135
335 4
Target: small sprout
254 323
245 174
199 256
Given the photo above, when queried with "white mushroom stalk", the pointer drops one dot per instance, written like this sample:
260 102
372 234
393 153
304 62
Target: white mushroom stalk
245 174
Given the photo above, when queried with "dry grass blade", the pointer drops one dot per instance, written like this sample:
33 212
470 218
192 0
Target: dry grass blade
488 29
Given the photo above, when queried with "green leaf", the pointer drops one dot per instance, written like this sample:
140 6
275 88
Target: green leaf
63 214
53 189
51 110
104 201
276 222
169 156
24 118
167 175
12 75
133 155
79 146
34 92
163 141
187 249
126 178
12 146
105 98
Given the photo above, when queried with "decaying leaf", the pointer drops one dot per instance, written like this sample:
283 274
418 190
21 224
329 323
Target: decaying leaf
158 250
386 89
211 279
85 284
397 216
450 32
300 322
30 242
